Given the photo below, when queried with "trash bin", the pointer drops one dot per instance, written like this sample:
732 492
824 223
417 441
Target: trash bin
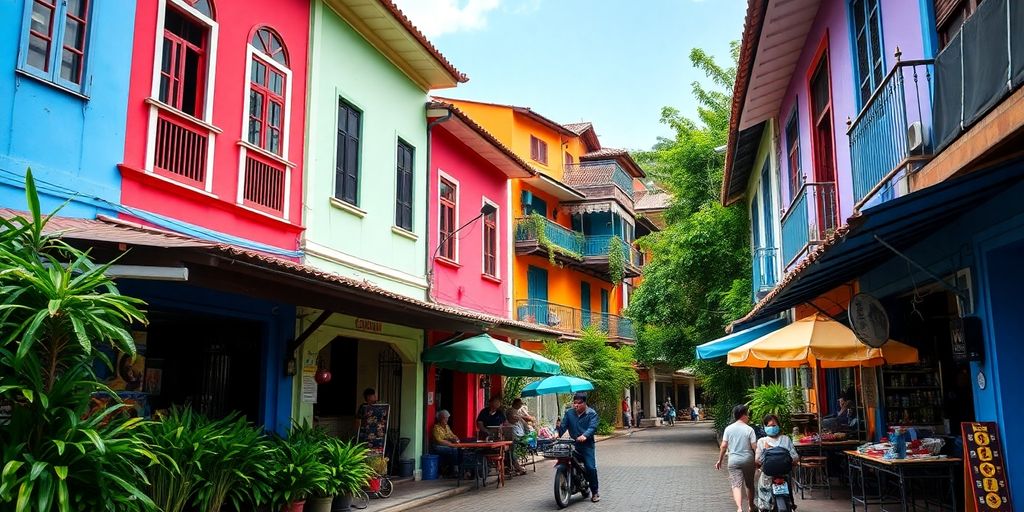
430 466
406 467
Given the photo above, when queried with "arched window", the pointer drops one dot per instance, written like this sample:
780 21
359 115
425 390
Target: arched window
188 40
269 79
205 7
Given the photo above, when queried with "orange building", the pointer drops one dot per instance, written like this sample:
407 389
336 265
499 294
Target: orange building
575 222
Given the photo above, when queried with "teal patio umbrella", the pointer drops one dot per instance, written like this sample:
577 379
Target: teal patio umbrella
484 354
557 384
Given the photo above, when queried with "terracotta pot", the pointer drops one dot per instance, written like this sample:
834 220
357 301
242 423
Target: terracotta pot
320 504
296 506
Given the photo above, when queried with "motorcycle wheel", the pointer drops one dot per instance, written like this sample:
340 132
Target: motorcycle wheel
563 486
781 504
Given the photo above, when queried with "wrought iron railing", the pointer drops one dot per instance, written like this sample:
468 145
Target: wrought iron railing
893 130
765 274
526 230
572 320
600 173
811 217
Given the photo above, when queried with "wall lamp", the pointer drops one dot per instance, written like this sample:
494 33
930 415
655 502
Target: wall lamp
485 210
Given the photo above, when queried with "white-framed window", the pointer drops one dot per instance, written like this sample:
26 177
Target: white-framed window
491 239
180 134
448 217
264 175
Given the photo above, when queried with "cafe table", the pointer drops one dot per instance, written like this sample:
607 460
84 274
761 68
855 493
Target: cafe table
905 472
478 446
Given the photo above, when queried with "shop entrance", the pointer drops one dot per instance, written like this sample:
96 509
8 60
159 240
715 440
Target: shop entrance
211 363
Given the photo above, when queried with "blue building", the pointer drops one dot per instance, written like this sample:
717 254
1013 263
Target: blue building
63 101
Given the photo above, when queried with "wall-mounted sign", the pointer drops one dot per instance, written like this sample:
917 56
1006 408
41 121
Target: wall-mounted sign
869 321
308 383
369 325
984 469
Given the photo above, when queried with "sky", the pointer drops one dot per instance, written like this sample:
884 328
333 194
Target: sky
615 63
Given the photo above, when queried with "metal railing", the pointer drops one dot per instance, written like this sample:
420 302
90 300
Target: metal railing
599 245
600 173
765 274
811 218
893 129
559 235
572 320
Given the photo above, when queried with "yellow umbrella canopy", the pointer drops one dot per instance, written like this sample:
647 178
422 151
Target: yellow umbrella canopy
820 342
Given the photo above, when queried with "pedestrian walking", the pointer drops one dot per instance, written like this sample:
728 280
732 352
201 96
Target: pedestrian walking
626 417
740 442
638 412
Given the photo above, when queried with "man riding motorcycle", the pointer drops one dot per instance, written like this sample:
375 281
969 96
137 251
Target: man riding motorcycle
581 422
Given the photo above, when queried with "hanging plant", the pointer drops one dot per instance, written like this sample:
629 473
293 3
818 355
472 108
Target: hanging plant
535 225
616 259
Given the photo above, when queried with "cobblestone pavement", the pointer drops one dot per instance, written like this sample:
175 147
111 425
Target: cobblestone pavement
654 470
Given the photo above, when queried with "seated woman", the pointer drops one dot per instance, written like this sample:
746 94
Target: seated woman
513 418
443 439
843 418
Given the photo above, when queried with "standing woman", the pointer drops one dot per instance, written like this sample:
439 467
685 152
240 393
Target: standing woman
739 441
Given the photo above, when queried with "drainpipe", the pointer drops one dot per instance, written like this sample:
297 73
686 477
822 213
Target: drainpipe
429 263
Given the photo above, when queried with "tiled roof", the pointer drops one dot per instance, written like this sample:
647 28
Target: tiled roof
651 200
107 229
526 111
578 128
620 155
456 111
606 153
748 51
427 45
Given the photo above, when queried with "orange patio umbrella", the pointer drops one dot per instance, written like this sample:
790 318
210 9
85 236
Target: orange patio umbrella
820 342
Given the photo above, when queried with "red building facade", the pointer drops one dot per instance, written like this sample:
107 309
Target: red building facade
216 118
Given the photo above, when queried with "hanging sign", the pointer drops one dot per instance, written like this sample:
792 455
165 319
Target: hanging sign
309 385
984 468
868 320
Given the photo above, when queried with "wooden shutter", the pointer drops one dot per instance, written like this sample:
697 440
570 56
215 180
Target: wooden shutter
403 194
347 164
944 9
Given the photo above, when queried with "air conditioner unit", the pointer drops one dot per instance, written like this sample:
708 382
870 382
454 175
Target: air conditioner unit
915 138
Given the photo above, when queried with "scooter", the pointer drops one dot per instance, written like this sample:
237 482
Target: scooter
570 476
782 495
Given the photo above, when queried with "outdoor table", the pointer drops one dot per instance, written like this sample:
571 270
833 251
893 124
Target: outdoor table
501 446
905 471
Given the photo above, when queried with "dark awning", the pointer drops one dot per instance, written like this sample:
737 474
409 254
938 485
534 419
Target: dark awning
902 222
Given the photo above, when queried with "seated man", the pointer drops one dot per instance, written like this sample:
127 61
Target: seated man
492 416
443 437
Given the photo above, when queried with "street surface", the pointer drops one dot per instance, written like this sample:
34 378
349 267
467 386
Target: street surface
658 469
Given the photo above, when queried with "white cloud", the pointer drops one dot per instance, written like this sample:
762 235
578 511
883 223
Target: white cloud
438 17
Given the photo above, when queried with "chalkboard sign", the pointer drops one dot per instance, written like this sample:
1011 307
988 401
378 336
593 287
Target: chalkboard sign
373 427
984 468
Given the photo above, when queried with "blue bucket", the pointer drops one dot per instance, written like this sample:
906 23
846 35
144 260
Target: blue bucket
430 466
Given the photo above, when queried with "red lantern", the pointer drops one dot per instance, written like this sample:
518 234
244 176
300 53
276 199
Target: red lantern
322 376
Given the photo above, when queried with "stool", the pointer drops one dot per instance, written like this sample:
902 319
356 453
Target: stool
812 473
499 465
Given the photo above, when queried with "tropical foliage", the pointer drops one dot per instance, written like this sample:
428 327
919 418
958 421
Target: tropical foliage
56 308
690 290
782 401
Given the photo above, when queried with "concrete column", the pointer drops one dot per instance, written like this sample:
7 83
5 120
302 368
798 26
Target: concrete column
652 403
693 392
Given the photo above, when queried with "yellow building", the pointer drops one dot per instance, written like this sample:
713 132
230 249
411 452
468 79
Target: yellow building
575 222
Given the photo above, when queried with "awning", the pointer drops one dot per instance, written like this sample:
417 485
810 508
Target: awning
722 346
902 222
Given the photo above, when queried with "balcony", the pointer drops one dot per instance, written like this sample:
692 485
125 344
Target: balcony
892 135
811 217
765 274
537 235
572 321
181 149
264 185
600 180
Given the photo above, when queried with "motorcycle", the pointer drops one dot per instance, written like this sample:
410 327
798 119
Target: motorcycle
570 476
782 496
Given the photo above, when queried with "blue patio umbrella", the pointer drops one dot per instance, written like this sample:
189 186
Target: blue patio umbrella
557 384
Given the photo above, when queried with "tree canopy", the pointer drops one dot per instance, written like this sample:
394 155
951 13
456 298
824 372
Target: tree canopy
690 289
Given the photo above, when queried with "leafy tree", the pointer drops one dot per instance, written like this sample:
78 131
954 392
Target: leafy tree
690 289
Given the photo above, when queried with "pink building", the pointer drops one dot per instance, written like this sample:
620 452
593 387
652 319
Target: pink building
469 189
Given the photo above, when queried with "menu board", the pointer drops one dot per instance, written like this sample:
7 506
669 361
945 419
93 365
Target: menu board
984 470
373 427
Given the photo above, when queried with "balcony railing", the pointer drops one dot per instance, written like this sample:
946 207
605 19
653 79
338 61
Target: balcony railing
264 185
181 149
598 174
572 320
764 268
811 217
571 241
893 131
599 245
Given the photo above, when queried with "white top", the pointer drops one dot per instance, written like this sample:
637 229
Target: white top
739 439
783 441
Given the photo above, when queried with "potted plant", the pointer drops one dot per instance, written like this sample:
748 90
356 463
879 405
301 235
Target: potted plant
298 473
774 399
348 463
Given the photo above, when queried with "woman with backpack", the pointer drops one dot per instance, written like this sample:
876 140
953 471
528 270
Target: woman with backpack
774 453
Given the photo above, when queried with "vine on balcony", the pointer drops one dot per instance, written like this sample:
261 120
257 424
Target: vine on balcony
536 224
616 259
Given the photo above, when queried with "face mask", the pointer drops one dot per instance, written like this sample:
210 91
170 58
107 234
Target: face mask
772 430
